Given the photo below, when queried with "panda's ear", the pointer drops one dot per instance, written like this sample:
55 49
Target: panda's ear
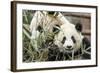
56 29
78 27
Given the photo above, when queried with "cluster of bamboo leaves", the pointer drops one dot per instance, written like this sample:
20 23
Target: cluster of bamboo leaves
30 52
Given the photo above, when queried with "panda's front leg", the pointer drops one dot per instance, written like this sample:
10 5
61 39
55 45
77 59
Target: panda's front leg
86 49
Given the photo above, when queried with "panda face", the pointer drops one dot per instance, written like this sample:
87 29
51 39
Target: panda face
72 41
68 42
69 38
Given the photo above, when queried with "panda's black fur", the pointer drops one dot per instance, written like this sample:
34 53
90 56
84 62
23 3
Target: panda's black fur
78 27
87 44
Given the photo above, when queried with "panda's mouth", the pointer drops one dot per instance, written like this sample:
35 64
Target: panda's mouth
67 49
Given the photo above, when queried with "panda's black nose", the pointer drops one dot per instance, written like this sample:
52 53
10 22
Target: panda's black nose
69 46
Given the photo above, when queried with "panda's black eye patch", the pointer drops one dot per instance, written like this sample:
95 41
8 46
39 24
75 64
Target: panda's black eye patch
73 39
63 41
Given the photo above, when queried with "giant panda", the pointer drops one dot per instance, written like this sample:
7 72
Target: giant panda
68 38
69 41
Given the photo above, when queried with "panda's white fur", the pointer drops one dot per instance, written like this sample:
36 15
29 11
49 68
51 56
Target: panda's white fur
68 30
